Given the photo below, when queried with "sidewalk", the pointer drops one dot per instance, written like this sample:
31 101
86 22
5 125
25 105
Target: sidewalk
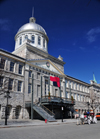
26 123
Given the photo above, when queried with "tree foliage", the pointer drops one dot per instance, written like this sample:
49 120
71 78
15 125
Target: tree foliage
94 99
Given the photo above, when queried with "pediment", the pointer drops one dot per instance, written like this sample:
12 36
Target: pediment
46 64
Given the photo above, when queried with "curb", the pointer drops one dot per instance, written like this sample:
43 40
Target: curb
45 124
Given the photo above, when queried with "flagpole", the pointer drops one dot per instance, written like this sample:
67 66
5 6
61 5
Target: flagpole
60 89
48 85
41 87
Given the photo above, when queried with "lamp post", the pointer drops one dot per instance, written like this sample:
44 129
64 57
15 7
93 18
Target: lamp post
88 105
6 96
62 108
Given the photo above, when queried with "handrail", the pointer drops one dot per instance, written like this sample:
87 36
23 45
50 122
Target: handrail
47 110
58 97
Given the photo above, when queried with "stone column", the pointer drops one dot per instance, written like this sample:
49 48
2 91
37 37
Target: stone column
42 42
36 40
13 113
6 67
26 114
64 88
21 113
46 47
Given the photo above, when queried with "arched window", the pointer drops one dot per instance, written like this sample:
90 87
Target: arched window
26 36
20 41
44 43
33 39
39 40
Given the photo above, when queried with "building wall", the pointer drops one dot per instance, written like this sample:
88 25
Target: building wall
16 102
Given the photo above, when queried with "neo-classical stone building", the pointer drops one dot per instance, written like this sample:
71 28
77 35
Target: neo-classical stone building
27 73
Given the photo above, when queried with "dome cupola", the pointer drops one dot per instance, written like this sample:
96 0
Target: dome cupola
33 33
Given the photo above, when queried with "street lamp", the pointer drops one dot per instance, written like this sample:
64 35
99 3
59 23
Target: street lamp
88 105
62 108
7 95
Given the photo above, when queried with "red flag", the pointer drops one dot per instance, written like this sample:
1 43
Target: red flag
55 79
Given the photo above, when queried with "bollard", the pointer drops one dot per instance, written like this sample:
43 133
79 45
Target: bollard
45 120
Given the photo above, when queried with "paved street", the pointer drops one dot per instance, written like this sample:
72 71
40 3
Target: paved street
60 131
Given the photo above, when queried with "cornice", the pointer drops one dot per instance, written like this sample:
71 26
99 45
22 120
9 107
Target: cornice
77 81
10 55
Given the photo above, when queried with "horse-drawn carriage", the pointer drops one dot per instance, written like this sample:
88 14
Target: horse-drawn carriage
90 118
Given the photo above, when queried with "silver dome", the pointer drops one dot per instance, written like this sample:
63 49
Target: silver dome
32 26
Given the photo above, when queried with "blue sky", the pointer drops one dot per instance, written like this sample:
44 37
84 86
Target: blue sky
73 28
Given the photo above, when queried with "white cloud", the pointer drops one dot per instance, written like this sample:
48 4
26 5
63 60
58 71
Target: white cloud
5 24
91 34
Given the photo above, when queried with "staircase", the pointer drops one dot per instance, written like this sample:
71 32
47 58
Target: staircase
44 112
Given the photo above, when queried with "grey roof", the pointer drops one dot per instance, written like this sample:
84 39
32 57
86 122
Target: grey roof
32 26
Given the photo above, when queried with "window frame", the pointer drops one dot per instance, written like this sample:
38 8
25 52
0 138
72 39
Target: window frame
12 66
39 40
33 40
20 71
20 40
10 85
30 73
29 88
19 86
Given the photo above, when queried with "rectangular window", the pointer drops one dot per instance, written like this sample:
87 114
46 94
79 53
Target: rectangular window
38 75
20 69
20 86
39 41
33 39
10 87
38 90
2 63
30 73
1 82
12 66
29 88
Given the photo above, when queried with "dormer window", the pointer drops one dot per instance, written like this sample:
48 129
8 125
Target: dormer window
39 40
20 41
26 36
33 39
44 43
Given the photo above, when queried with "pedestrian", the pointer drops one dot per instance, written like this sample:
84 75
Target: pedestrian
82 118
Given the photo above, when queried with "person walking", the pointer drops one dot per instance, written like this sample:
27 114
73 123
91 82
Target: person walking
82 118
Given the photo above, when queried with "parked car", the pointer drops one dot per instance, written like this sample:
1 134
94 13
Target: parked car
98 116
